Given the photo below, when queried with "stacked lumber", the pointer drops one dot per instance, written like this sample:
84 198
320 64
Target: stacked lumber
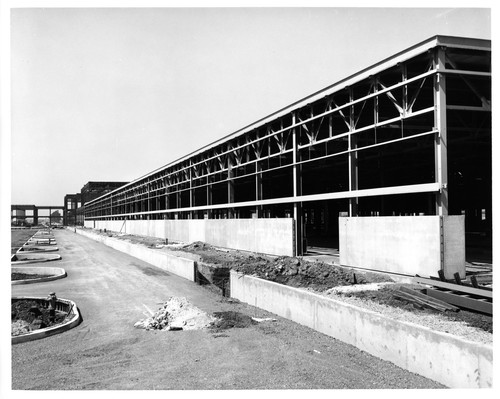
423 301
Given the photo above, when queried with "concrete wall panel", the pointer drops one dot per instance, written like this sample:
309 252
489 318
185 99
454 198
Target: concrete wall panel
454 246
403 244
270 236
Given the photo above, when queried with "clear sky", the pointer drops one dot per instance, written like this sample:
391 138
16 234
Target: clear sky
112 94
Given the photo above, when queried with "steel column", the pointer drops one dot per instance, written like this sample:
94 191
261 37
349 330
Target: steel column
440 144
258 187
353 159
297 191
230 185
209 196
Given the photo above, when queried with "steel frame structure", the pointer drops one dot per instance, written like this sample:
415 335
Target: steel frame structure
401 103
34 209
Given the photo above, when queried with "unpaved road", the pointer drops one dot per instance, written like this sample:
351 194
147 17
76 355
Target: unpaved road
105 351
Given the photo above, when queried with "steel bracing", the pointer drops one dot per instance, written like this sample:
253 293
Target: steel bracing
381 132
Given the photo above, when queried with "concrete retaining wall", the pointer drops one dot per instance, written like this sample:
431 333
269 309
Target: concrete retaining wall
269 236
179 266
404 244
441 357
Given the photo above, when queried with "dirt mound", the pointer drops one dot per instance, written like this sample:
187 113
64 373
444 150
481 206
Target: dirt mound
297 272
292 271
197 246
231 319
176 314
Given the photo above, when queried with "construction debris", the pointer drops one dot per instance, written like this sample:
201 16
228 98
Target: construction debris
422 300
260 320
176 314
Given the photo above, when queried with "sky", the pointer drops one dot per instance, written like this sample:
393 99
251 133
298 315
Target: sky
110 94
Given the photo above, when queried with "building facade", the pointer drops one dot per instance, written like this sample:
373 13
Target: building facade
409 136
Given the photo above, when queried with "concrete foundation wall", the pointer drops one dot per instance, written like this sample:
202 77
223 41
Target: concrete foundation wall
270 236
403 244
179 266
441 357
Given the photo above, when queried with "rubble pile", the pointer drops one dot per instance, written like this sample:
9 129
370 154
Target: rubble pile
176 314
20 327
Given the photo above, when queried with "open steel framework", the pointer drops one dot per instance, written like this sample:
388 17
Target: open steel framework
18 213
409 135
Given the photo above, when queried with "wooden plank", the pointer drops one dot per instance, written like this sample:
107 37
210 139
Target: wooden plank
417 302
428 303
455 287
425 297
458 300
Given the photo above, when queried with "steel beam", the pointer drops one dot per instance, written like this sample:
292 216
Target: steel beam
372 192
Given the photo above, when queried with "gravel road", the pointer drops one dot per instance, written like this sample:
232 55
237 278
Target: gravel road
113 290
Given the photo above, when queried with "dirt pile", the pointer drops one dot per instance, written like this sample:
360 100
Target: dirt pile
231 319
30 315
198 246
297 272
176 314
292 271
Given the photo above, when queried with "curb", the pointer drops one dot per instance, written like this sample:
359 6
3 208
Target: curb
53 257
53 273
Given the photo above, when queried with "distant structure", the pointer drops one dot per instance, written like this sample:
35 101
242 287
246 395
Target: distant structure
22 215
95 189
74 203
407 138
71 203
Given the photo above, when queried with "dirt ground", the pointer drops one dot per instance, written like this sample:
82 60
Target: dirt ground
113 291
25 276
19 237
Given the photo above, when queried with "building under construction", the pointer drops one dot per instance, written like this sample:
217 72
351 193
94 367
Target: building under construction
399 151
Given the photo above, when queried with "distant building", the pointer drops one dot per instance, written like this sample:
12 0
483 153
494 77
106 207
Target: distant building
94 189
74 203
71 203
